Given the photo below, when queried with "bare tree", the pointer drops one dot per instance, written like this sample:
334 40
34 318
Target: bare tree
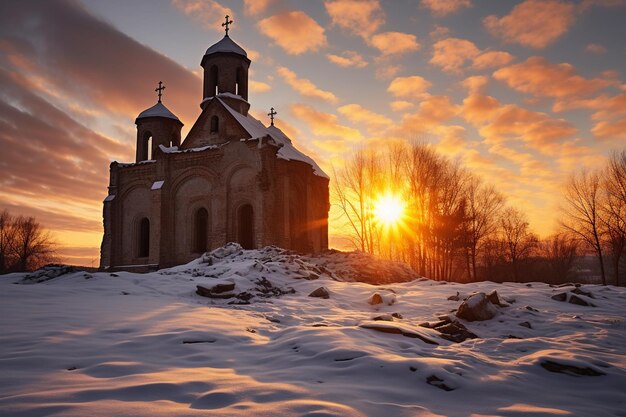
560 252
482 208
354 187
614 209
518 239
24 244
7 241
33 245
582 212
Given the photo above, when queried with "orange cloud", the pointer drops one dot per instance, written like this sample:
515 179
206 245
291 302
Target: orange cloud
408 87
324 124
294 31
475 84
347 59
395 43
610 130
499 123
451 55
430 113
604 106
256 7
492 59
444 7
533 23
259 86
595 48
401 105
540 78
305 87
386 70
361 17
358 114
451 139
209 13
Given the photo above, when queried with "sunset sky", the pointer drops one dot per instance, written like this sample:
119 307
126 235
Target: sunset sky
521 92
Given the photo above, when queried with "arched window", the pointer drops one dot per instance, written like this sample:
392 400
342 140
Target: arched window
149 145
200 227
146 146
239 83
245 228
213 80
215 124
144 238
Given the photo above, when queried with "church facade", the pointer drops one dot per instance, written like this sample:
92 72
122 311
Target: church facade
232 179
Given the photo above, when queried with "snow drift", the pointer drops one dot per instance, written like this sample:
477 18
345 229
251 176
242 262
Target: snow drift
235 333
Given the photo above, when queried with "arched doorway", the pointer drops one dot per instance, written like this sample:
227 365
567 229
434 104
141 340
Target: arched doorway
245 226
200 228
143 238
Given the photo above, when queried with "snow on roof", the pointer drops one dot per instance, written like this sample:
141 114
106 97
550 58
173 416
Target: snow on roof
231 95
158 110
290 153
226 45
130 164
175 149
287 151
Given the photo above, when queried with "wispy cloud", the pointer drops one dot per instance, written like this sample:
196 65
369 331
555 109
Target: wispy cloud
305 87
294 31
347 59
533 23
409 87
540 78
453 54
208 13
444 7
395 43
324 124
360 17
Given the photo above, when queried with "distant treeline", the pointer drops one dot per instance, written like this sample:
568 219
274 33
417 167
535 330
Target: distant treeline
458 228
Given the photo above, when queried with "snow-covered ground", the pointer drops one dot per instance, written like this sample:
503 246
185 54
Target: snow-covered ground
128 344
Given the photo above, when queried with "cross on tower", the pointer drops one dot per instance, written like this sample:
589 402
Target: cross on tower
226 23
160 89
271 114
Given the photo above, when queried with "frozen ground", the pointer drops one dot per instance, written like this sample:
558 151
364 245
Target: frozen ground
128 344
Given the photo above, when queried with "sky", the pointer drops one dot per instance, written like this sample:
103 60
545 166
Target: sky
520 92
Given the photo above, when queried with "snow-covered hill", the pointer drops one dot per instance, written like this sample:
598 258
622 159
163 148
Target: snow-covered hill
123 344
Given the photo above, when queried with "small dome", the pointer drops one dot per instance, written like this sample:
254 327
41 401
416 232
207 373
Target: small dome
226 45
158 110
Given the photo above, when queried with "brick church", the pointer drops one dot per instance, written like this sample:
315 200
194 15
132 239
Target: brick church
232 179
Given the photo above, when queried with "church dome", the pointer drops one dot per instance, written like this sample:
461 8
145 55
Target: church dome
226 45
158 110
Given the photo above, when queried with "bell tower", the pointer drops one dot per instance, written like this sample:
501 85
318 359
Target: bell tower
226 67
156 126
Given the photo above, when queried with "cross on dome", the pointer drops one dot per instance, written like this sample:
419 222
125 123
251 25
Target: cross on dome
160 89
226 23
271 114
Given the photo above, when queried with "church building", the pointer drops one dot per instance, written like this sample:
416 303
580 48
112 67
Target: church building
231 180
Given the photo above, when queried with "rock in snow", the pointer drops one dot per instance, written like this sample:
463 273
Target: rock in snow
573 297
320 292
477 307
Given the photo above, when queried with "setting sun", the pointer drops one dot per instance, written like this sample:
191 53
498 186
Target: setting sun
389 209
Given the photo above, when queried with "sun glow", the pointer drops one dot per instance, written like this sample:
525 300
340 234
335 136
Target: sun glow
389 209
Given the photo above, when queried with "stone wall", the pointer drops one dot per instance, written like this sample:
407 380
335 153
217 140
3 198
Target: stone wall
289 203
